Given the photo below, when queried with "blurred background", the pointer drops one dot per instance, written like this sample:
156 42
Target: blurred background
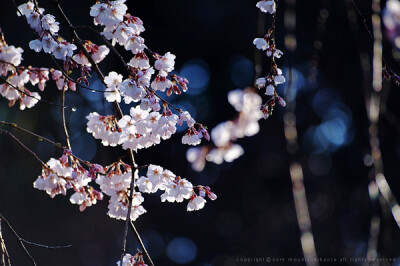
254 215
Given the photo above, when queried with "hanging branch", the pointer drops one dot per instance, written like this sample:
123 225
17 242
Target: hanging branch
65 75
320 30
128 217
296 171
3 250
63 120
144 250
121 58
120 114
258 66
20 240
373 104
373 190
106 42
23 146
23 241
33 97
373 114
390 74
41 138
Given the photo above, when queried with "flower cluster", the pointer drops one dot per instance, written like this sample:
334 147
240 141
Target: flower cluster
275 77
47 29
143 128
14 88
98 53
17 77
65 173
247 104
391 20
48 41
122 28
176 189
116 184
149 121
129 260
60 175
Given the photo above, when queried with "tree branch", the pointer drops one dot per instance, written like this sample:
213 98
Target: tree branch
40 138
120 114
23 146
296 169
20 241
4 252
144 250
63 120
23 241
28 95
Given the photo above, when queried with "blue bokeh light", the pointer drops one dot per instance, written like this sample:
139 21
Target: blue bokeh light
84 145
336 128
298 83
198 74
323 100
332 134
93 96
242 71
182 250
154 242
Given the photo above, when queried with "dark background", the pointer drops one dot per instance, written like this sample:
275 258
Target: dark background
254 215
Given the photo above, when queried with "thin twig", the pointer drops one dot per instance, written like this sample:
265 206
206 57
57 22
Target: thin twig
144 250
39 137
4 251
373 190
318 45
65 75
107 43
128 216
115 51
52 57
28 95
296 170
63 120
297 177
371 35
23 146
20 241
373 104
257 55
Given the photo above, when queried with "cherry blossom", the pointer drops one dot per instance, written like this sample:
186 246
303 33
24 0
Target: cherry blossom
65 173
14 88
267 6
165 63
261 44
47 29
247 103
196 203
391 20
129 260
150 119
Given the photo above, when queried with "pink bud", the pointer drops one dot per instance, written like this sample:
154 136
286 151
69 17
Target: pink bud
212 196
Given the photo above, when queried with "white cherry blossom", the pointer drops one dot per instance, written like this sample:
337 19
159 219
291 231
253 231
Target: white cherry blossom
261 44
267 6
